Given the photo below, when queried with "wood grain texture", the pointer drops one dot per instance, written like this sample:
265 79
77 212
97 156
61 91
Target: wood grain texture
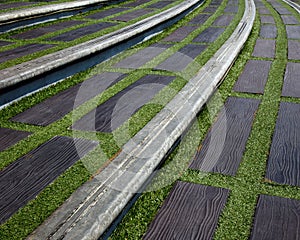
191 211
180 34
56 107
254 77
9 137
224 145
210 34
264 48
284 159
25 178
293 49
116 110
268 31
132 15
291 85
276 218
106 13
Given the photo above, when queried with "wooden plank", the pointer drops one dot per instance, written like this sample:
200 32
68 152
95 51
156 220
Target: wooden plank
54 108
116 110
191 211
9 137
132 15
291 85
276 218
224 145
283 163
106 13
180 34
293 50
268 31
223 20
210 34
200 19
264 48
25 178
293 31
254 77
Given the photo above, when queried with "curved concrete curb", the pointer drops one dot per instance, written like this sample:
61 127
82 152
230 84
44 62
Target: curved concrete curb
294 5
30 69
28 12
94 206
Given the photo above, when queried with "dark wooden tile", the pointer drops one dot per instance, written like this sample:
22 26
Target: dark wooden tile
293 32
291 85
254 77
200 19
14 5
160 4
191 211
22 51
83 31
115 111
267 19
283 163
37 32
54 108
289 19
132 15
294 50
224 145
223 20
25 178
231 9
106 13
276 218
268 31
264 48
180 34
210 34
143 56
4 43
136 3
180 60
9 137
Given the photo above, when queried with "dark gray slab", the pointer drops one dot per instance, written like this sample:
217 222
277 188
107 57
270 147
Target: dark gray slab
233 2
136 3
22 51
210 9
254 77
210 34
160 4
267 19
276 218
231 9
282 10
54 108
15 5
289 19
223 147
9 137
263 10
264 48
291 85
37 32
142 57
106 13
83 31
180 60
223 20
191 211
180 34
294 50
293 32
114 112
4 43
216 2
268 31
284 158
132 15
25 178
200 19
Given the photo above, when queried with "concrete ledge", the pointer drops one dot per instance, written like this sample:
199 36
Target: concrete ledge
293 4
91 209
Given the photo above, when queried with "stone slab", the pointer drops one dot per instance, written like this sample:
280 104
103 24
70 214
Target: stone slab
223 20
106 13
282 10
267 19
200 19
223 147
264 48
210 34
9 137
254 77
191 211
291 85
4 6
4 43
115 111
289 19
136 3
268 31
56 107
293 32
216 2
276 218
231 9
210 9
132 15
160 4
180 34
263 10
25 178
294 50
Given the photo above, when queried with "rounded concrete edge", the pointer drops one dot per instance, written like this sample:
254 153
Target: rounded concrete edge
293 5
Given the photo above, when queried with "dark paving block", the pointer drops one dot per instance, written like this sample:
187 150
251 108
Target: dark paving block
25 178
132 15
180 34
267 19
233 2
223 147
4 43
216 2
254 77
276 218
22 51
263 10
210 9
142 57
9 137
223 20
114 112
210 34
106 13
291 85
231 9
282 10
160 4
293 50
268 31
34 33
289 19
191 211
83 31
58 106
200 19
264 48
180 60
283 163
15 5
136 3
293 32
